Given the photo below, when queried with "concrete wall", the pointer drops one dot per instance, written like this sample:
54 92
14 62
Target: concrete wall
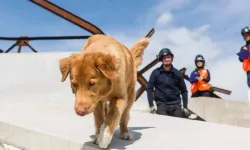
36 77
222 111
36 113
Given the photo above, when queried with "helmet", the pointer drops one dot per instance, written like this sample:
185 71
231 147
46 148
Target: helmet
164 52
245 30
199 57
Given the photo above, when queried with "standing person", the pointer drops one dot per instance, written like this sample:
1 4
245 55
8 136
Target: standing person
244 56
169 85
200 78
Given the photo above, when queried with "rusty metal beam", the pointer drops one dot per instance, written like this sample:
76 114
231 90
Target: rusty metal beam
150 33
19 49
139 92
25 42
44 38
224 91
140 78
183 72
63 13
142 81
20 44
11 47
149 66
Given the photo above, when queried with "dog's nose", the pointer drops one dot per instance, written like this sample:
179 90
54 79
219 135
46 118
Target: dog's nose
81 111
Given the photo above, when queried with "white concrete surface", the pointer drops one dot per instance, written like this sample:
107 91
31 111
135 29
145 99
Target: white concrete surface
44 125
36 113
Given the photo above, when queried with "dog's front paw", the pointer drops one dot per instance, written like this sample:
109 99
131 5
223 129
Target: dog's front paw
104 138
126 136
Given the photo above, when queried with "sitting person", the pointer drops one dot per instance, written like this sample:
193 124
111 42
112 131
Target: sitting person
200 78
171 95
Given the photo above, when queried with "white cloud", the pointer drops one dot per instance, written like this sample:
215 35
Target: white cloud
186 43
221 11
164 5
164 19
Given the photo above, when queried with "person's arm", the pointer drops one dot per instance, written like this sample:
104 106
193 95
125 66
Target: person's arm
150 87
192 77
184 92
208 77
242 48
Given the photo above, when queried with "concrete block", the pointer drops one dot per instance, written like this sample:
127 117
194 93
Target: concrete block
243 122
221 111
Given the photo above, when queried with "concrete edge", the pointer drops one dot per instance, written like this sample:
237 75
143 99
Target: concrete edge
20 137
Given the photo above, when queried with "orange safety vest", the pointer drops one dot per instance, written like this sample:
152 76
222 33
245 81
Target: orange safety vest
246 65
246 62
194 87
201 85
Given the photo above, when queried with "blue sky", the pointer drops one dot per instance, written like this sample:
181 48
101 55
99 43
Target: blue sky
187 27
25 18
104 14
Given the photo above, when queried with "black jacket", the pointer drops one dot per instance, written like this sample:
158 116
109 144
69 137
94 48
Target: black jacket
169 85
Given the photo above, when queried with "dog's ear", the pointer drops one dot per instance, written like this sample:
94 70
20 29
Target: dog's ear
107 65
65 64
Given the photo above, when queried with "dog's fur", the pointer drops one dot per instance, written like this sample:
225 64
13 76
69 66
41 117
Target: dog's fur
103 78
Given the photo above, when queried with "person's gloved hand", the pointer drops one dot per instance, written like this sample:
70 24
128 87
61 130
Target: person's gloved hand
152 110
200 78
186 112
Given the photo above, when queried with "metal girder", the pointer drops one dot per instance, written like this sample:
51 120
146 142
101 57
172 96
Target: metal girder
20 44
24 40
146 68
53 8
63 13
44 38
140 78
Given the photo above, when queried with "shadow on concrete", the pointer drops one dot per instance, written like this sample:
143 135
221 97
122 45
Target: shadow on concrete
116 142
198 117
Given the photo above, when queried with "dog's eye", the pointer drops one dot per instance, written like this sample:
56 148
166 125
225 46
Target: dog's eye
91 82
73 84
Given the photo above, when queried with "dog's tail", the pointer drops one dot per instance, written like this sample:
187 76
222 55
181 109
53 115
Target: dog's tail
138 50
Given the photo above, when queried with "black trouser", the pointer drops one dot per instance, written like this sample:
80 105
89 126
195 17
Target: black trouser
248 79
170 110
201 93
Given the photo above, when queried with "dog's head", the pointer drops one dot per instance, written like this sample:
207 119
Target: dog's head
91 77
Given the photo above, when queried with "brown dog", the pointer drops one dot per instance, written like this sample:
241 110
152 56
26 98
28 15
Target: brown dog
105 72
